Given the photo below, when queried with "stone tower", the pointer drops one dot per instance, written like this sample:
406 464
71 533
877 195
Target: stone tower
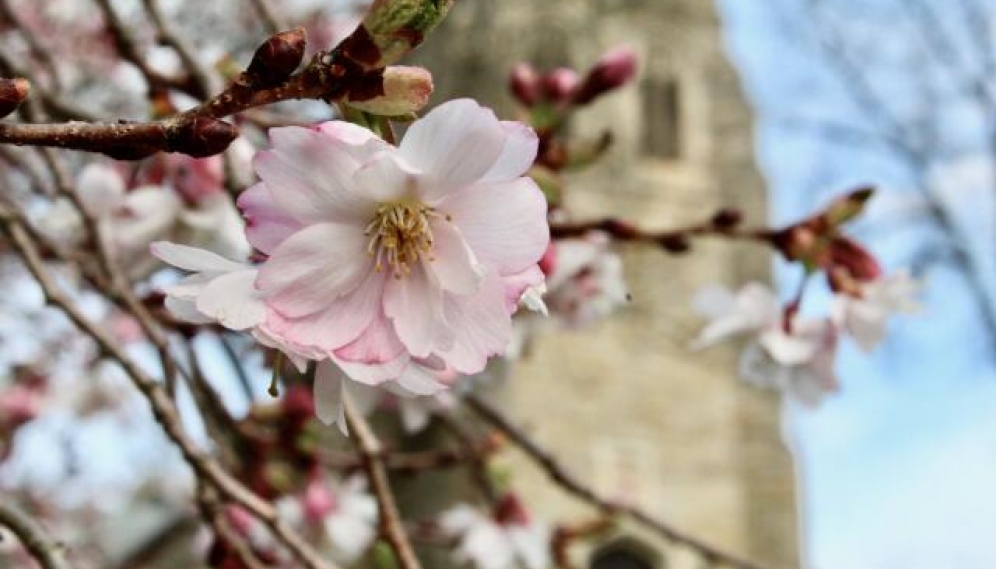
624 403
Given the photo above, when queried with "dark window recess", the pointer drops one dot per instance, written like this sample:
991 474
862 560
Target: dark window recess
620 556
662 118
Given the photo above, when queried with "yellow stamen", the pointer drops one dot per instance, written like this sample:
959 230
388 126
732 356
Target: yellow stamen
400 235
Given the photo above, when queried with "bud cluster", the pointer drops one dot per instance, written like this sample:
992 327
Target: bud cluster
564 87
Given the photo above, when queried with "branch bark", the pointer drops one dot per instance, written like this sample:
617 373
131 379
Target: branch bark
38 543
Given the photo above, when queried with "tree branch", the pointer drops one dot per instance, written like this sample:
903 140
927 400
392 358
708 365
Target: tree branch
373 462
566 480
46 551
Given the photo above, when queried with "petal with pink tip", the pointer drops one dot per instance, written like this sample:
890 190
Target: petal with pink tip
267 224
377 345
313 267
517 155
484 326
504 223
414 303
340 323
385 178
455 144
310 176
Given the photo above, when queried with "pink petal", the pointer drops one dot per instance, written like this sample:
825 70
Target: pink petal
455 144
232 300
267 224
338 324
415 306
377 345
359 142
328 391
484 326
310 177
453 263
504 223
517 284
416 380
385 177
517 155
192 258
313 267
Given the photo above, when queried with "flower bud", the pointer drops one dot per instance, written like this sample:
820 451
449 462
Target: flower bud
510 510
406 90
391 29
524 83
13 92
277 58
727 218
203 136
548 262
675 243
851 256
318 501
613 70
848 207
560 84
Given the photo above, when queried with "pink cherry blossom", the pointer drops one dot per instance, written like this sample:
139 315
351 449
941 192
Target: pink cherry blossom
390 258
865 317
508 538
586 282
799 361
343 513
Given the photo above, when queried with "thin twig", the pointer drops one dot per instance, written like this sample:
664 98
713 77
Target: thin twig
370 448
566 480
46 551
271 18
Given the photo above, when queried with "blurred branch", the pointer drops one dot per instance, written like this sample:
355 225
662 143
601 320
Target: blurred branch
372 452
163 408
47 552
271 18
566 480
202 78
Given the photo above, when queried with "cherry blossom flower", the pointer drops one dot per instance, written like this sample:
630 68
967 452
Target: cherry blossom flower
798 361
397 258
506 539
344 513
865 316
586 280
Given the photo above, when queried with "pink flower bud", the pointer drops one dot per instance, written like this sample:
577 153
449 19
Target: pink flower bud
406 90
18 405
278 57
318 501
510 510
13 92
559 85
858 262
195 178
613 70
524 82
548 263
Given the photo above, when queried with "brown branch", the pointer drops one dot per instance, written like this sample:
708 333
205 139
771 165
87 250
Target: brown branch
566 480
44 55
353 70
391 525
163 408
724 223
47 552
412 462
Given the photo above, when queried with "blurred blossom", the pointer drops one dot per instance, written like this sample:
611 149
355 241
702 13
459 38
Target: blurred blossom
507 538
344 514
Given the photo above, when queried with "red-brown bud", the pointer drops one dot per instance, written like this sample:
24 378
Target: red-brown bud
675 243
855 259
727 218
277 58
203 136
559 85
613 70
13 92
510 510
524 82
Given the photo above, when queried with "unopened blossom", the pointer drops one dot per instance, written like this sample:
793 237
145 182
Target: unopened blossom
798 359
507 538
389 258
864 315
344 514
406 90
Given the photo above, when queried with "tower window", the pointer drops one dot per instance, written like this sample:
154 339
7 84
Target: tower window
662 118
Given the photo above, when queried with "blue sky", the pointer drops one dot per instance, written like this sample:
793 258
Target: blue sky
897 469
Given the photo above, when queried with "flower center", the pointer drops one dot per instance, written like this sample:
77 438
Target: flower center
400 235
